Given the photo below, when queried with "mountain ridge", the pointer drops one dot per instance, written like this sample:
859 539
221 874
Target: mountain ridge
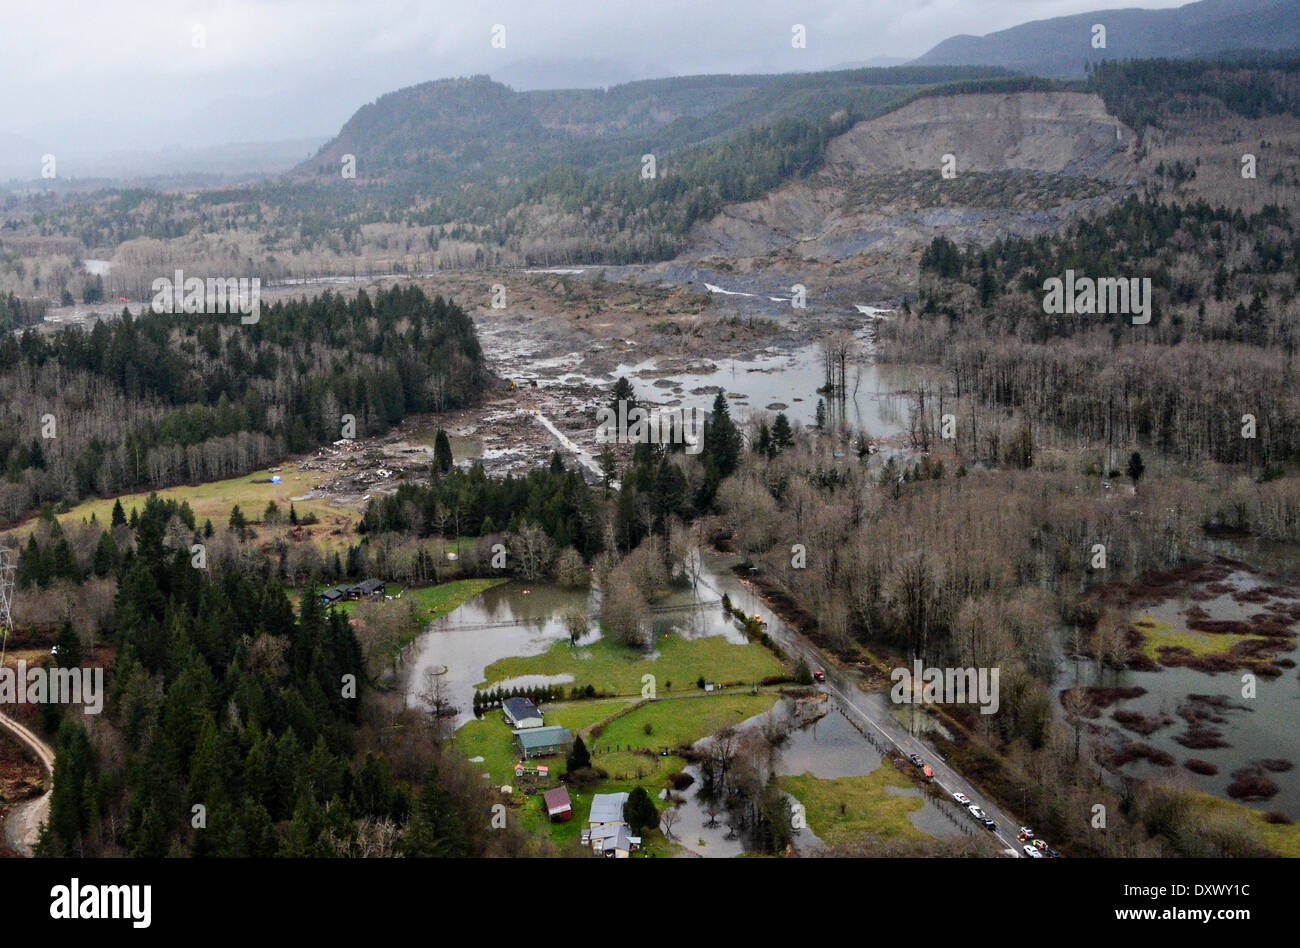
1060 47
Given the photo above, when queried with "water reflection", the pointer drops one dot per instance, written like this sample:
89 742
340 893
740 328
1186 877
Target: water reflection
791 379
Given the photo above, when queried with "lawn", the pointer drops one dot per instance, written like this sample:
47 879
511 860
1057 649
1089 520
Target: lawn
615 669
680 722
845 808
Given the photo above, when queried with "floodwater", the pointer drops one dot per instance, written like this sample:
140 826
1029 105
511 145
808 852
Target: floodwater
511 619
828 748
1263 727
506 621
524 619
874 403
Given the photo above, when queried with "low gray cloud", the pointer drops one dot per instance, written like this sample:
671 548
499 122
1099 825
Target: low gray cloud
130 73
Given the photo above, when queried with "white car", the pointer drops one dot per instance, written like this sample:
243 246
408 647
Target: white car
961 798
1031 852
977 813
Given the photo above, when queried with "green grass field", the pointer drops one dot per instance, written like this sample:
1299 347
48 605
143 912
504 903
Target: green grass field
213 501
614 669
680 722
842 809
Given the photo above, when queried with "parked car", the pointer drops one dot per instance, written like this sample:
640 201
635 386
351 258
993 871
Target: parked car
1040 845
978 813
961 798
989 824
916 760
819 675
1052 854
1025 833
1031 852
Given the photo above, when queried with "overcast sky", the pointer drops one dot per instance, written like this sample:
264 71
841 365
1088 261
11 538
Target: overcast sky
126 73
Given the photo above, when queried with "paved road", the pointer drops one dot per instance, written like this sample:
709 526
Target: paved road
24 822
867 711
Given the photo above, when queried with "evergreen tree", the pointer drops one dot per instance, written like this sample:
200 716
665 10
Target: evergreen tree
782 436
579 758
63 563
106 555
436 829
119 515
623 392
640 812
1135 468
442 459
68 646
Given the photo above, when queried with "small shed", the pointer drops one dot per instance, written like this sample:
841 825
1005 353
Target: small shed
557 804
521 713
543 741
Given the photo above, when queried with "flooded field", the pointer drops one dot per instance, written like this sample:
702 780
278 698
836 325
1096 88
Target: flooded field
505 620
1218 705
519 619
828 748
777 381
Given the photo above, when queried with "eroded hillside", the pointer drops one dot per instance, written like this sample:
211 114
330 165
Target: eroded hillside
1024 163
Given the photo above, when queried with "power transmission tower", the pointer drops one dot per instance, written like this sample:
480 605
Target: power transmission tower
8 566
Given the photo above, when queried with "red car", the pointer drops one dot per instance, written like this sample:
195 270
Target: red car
819 675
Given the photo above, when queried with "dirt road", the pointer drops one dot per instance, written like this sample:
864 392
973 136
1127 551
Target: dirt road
23 825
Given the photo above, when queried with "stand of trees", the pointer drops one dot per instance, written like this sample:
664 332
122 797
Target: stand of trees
165 399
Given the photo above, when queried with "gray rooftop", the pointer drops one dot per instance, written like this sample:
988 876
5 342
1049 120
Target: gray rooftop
520 708
607 808
543 737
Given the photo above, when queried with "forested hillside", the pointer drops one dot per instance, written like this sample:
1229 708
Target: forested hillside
469 173
163 399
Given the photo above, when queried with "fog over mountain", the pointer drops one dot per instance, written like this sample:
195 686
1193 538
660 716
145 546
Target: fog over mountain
1061 46
132 76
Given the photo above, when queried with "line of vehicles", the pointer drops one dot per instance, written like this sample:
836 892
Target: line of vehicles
1034 847
978 815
